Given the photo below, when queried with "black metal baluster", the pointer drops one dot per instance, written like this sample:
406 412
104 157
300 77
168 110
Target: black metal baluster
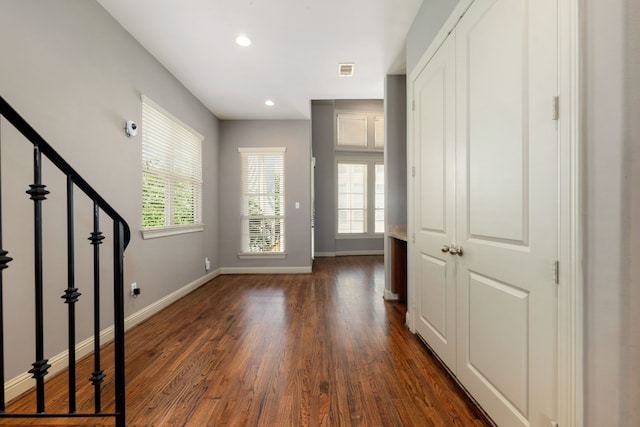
118 307
122 235
70 297
38 194
96 240
4 261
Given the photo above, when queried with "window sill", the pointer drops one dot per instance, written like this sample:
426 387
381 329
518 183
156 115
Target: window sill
262 255
171 231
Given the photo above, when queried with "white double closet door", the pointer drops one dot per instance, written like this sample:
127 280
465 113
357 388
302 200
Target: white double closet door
485 217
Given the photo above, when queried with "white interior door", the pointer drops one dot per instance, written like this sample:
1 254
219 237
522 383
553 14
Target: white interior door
434 206
507 183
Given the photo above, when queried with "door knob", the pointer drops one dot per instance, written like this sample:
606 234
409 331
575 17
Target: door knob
456 250
445 248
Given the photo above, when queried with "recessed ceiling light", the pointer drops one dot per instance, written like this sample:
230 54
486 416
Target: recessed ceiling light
269 103
243 40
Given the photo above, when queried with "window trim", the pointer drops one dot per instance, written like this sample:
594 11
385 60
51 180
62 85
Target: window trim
171 231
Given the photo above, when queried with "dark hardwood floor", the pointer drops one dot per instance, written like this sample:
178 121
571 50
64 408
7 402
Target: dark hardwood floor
321 349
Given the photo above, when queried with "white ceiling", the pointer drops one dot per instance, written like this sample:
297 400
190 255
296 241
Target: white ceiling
295 51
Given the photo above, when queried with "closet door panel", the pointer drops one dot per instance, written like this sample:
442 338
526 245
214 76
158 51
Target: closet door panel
434 195
510 345
497 126
507 198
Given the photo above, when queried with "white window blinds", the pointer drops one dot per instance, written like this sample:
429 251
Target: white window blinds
379 132
352 130
263 200
171 170
352 198
379 197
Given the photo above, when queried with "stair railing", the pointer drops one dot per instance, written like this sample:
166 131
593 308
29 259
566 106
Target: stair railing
121 237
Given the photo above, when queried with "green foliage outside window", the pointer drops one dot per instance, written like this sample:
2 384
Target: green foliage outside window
155 195
265 230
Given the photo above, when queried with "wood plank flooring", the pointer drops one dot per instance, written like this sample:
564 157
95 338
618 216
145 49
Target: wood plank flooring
321 349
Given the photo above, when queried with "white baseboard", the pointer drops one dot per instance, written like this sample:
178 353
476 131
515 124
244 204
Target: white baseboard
325 254
408 322
24 382
348 253
265 270
390 296
355 253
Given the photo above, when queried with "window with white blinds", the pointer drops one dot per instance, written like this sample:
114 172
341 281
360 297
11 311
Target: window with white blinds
379 196
263 200
352 198
352 130
171 173
360 193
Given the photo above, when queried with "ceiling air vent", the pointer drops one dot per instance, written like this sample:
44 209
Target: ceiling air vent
345 70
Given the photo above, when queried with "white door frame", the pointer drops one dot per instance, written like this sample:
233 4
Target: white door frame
570 289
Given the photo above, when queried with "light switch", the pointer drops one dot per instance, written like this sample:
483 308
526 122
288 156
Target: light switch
297 205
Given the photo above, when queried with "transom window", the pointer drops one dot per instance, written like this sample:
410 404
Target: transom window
359 132
352 130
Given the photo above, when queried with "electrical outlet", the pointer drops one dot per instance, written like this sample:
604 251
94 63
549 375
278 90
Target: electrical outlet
135 291
207 264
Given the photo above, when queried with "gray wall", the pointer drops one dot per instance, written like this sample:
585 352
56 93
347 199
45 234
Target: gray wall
323 131
610 91
76 76
426 25
612 207
295 135
323 143
395 160
395 152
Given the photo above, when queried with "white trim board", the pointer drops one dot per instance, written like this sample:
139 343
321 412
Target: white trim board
349 253
266 270
357 253
389 296
325 254
571 287
24 382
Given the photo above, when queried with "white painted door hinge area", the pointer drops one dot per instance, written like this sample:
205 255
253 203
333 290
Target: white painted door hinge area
413 171
413 105
556 107
555 271
413 237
